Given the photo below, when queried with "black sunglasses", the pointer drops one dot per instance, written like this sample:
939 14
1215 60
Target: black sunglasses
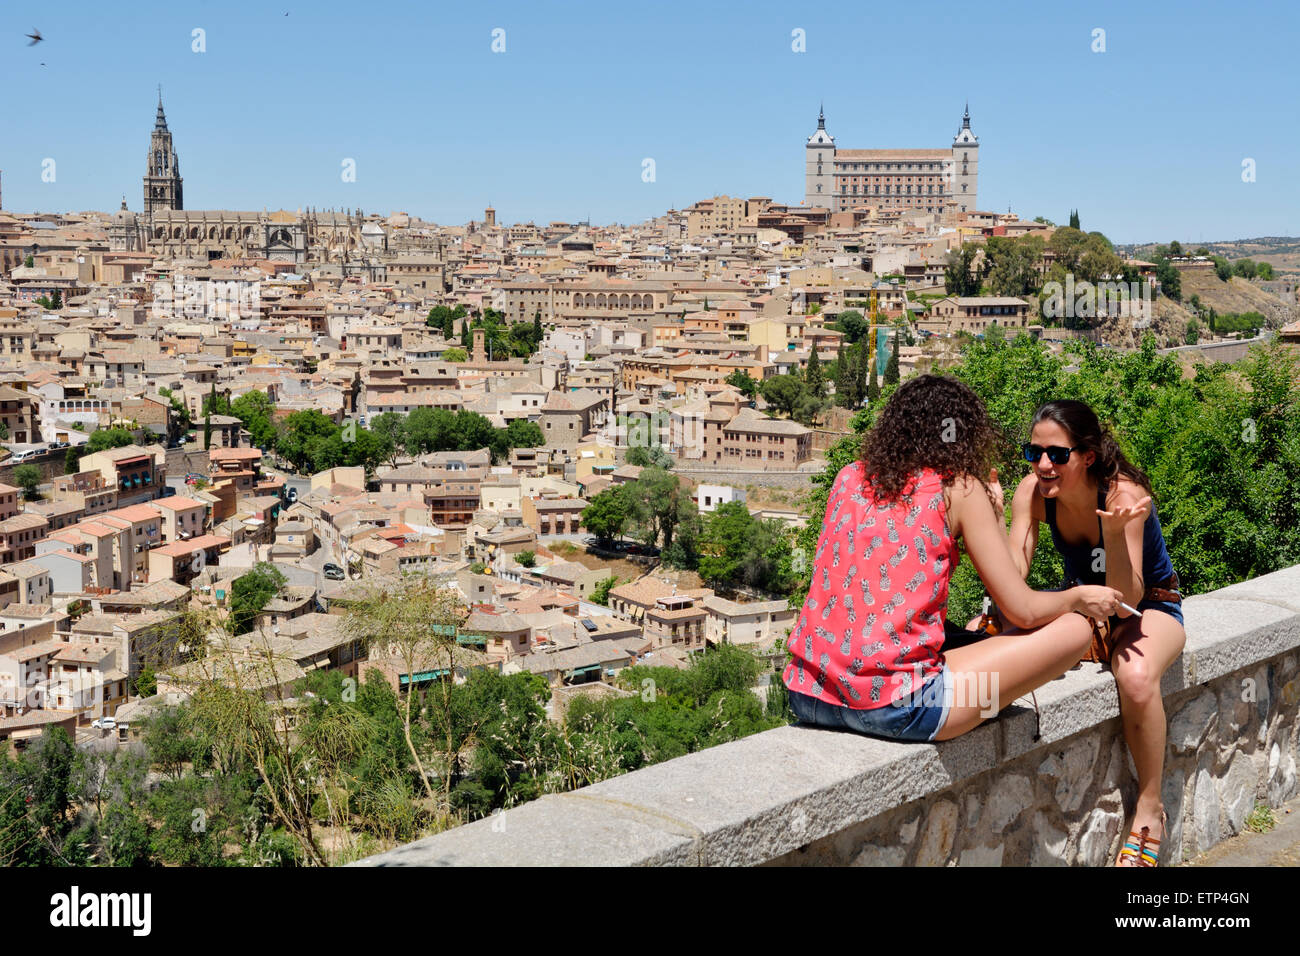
1056 454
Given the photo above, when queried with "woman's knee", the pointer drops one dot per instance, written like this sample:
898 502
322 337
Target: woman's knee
1135 679
1077 632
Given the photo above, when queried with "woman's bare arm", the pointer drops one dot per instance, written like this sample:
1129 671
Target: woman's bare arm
972 516
1022 538
1122 526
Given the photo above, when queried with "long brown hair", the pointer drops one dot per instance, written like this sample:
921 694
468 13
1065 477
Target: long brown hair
1088 434
931 421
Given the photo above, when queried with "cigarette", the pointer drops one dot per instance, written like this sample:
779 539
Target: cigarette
1131 610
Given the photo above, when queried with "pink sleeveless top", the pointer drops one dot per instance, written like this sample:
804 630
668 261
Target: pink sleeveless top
871 628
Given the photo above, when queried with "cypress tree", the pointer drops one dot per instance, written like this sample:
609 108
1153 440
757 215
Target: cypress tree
844 380
814 376
861 359
891 370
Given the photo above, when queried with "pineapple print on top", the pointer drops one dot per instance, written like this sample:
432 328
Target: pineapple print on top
879 593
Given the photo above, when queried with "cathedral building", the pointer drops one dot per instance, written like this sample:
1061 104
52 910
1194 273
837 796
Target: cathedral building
167 228
941 181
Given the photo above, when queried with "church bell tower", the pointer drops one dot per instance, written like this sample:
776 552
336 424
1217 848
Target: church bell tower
162 178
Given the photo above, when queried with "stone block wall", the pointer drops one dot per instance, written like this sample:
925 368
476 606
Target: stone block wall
1231 744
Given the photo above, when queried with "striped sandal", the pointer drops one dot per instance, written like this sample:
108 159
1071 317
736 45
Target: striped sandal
1142 849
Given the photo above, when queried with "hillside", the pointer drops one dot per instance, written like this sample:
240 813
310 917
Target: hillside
1282 252
1237 295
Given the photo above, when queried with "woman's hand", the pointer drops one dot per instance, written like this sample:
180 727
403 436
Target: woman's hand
1096 600
1114 522
997 493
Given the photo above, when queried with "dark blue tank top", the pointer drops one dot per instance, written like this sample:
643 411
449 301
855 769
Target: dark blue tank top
1079 558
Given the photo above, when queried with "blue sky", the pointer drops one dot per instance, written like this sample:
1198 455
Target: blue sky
1147 139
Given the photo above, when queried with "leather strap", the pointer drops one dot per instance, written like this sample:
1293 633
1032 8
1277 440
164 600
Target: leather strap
1169 593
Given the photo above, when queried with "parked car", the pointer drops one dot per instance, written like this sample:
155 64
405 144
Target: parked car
104 723
333 572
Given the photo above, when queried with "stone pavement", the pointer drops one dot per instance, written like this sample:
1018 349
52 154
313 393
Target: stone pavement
1278 847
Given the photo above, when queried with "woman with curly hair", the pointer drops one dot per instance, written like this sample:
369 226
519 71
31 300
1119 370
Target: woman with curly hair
868 647
1098 507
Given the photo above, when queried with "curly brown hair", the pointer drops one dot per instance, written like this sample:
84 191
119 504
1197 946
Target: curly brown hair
931 421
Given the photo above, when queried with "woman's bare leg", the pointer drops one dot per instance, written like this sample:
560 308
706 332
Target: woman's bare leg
1145 647
1014 662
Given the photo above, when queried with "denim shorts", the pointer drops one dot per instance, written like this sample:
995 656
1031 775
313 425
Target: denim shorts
916 717
1169 607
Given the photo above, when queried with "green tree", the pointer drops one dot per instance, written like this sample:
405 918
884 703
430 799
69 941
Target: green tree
738 550
600 593
146 684
1074 219
784 392
852 323
961 276
526 559
1171 282
305 439
430 429
389 429
653 456
256 411
607 514
657 504
743 382
250 593
180 414
814 376
521 433
214 403
455 355
27 477
1015 265
891 369
415 621
100 440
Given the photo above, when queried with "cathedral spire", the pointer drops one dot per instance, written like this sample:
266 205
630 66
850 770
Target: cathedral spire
821 115
162 174
965 120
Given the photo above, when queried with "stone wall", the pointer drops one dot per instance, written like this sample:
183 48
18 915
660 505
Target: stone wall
995 796
789 480
50 464
1067 804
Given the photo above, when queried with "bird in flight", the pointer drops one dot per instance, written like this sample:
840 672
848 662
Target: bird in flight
35 37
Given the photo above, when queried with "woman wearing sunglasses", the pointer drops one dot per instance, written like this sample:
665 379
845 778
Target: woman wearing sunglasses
1098 507
868 648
